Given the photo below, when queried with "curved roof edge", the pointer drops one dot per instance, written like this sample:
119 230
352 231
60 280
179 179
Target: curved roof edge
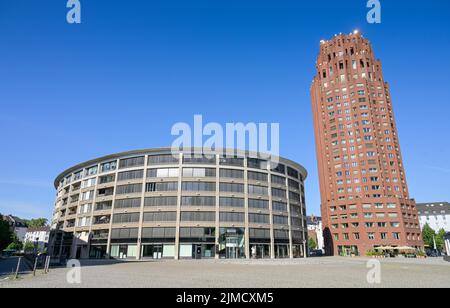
156 151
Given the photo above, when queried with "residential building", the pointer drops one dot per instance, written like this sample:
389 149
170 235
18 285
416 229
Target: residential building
365 201
435 214
158 204
39 237
17 226
315 231
447 246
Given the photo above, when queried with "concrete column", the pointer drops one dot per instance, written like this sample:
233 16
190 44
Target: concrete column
291 248
116 175
177 231
272 233
141 216
216 255
247 223
92 209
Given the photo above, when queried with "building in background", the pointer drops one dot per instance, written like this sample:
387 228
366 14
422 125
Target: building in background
365 201
17 226
447 246
435 214
39 237
315 231
153 204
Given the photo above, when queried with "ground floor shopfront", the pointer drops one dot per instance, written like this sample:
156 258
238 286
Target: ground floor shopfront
193 251
195 243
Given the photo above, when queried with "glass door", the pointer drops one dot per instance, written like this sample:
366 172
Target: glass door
232 249
157 251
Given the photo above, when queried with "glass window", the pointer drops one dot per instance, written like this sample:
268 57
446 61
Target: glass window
198 186
232 202
278 180
127 203
91 171
107 179
260 234
292 172
199 159
258 218
126 218
258 204
198 201
109 166
199 172
233 161
232 187
255 163
130 175
161 201
131 162
279 168
161 187
280 220
279 206
167 159
198 216
160 217
88 183
231 174
129 189
257 176
232 217
281 234
280 193
257 190
158 233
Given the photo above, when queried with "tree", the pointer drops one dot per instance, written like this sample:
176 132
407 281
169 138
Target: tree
5 234
28 247
15 244
440 240
37 223
312 244
428 235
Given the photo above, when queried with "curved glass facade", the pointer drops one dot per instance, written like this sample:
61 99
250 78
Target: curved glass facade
152 204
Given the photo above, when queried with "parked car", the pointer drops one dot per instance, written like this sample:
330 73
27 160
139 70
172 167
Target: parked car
433 253
316 253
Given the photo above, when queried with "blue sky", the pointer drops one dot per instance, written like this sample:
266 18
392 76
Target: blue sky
121 79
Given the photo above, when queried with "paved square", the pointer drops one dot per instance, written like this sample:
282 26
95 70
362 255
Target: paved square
314 272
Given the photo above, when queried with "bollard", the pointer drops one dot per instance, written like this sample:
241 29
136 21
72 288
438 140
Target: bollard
35 265
45 264
18 268
48 264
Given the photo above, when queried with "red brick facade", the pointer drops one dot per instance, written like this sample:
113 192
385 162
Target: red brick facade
365 201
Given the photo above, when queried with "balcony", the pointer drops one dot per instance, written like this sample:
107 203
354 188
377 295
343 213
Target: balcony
102 220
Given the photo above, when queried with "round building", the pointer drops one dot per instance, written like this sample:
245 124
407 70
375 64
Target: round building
156 204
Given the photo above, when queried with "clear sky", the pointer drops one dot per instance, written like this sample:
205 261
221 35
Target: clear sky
121 79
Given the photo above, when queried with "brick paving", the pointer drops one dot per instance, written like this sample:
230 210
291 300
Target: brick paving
314 272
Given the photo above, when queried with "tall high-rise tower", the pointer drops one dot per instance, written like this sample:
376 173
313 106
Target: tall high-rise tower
364 196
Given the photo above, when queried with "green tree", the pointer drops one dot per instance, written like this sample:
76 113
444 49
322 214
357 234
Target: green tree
28 247
5 234
15 244
440 240
312 244
428 235
37 223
